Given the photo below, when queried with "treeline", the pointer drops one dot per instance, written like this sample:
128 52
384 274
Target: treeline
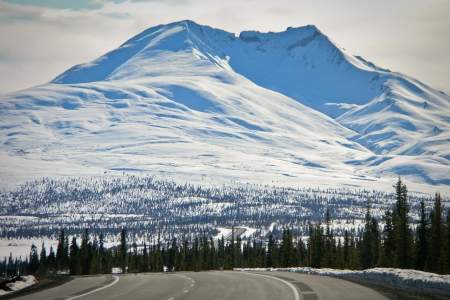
149 206
395 243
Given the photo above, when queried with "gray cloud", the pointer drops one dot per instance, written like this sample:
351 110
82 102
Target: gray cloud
410 36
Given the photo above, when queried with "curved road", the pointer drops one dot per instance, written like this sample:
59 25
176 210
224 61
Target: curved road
207 286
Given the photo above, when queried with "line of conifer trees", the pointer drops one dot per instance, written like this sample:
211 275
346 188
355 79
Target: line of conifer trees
426 246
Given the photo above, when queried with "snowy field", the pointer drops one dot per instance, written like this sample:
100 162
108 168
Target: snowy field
18 247
148 206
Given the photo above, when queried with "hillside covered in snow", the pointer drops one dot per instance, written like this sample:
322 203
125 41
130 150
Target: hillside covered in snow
189 101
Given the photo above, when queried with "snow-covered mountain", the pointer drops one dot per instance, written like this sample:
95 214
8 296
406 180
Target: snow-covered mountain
200 103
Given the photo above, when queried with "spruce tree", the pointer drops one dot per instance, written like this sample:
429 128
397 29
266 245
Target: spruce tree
447 245
11 270
421 239
402 232
60 260
74 265
33 264
436 259
316 246
388 245
366 245
145 260
329 249
301 252
286 251
43 260
51 260
85 253
346 251
123 251
270 257
376 241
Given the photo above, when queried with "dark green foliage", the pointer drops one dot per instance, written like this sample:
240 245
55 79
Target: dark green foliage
367 248
436 260
447 243
422 239
74 264
387 252
370 242
62 251
401 230
33 264
123 251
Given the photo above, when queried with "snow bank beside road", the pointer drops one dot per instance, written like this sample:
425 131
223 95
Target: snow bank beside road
398 278
21 283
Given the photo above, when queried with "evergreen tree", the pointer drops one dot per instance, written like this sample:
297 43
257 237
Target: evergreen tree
301 252
145 260
11 269
220 253
329 249
316 246
447 246
367 250
172 252
421 239
436 259
270 257
33 264
74 265
123 251
60 259
376 241
388 245
103 264
51 260
85 253
346 251
94 256
287 251
402 232
43 260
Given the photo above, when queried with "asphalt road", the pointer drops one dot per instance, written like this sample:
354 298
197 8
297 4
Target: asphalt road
207 286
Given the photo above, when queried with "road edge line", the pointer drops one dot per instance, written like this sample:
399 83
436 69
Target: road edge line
293 288
116 279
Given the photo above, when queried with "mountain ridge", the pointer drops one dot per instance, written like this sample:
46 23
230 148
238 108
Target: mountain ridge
321 109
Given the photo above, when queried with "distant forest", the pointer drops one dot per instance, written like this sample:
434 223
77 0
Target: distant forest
148 206
398 244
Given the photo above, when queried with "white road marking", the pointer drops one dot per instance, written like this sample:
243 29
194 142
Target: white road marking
293 288
171 298
185 291
116 279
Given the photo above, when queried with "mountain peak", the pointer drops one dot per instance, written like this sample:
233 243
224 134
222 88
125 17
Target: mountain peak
195 89
186 35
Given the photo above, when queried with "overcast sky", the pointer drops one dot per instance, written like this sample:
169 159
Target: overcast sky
39 39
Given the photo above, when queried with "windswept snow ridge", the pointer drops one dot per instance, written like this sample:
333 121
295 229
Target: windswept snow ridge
194 102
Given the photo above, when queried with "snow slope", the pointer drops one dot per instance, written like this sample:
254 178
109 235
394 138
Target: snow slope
195 102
